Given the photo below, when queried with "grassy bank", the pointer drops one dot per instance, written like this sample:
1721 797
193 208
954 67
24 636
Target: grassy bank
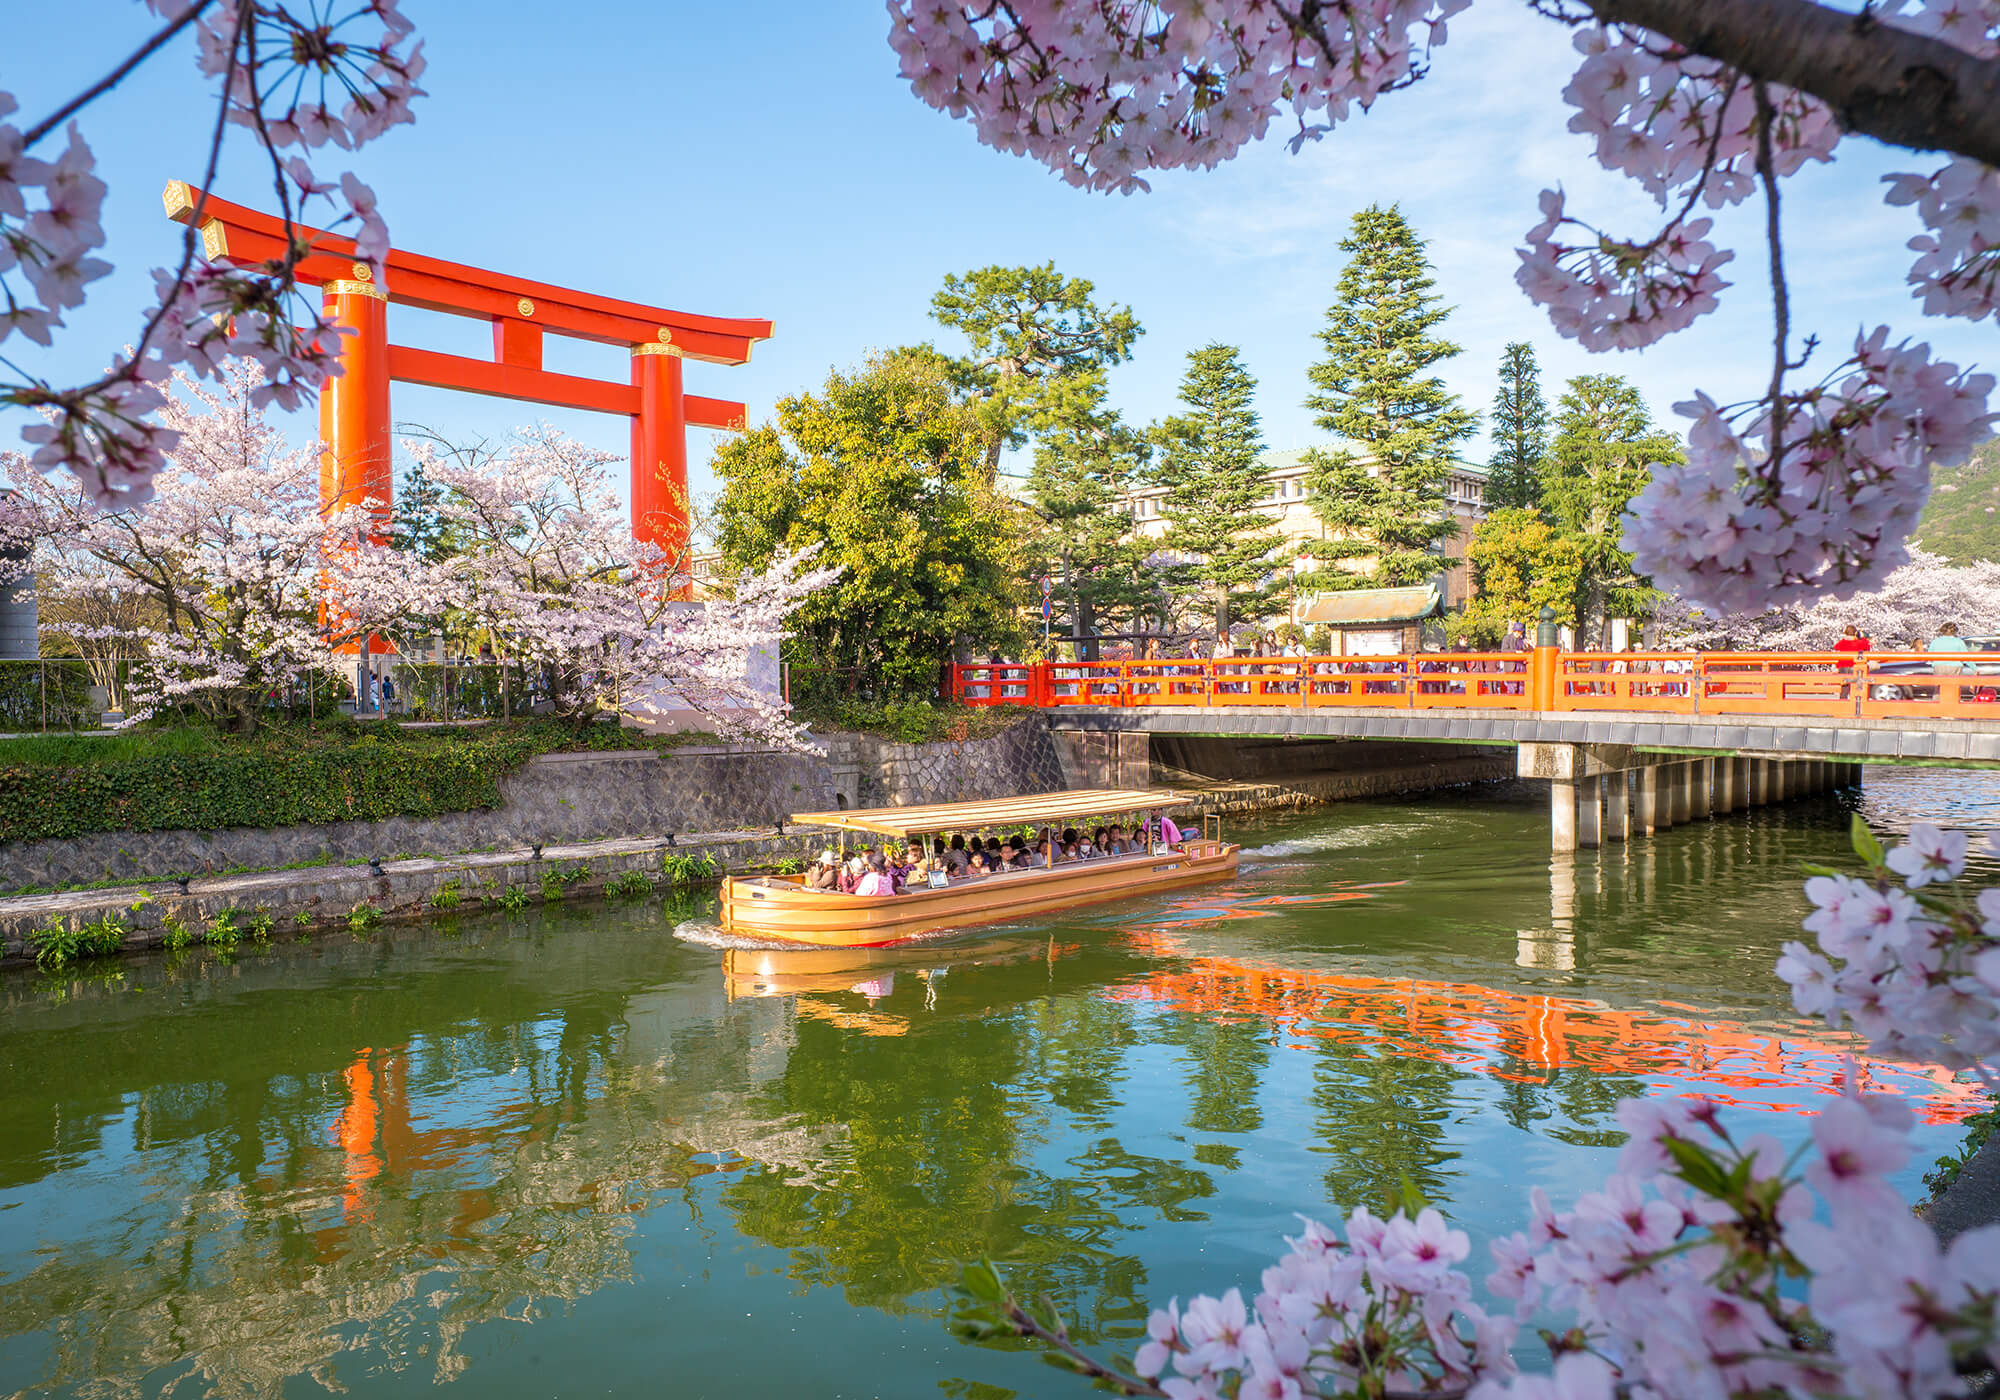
198 778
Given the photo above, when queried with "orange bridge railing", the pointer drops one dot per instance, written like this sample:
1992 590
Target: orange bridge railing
1880 685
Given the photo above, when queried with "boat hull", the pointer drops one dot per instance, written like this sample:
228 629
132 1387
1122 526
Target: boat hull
782 908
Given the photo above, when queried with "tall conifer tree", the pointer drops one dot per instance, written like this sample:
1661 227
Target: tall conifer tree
1520 432
1211 467
1381 494
1086 459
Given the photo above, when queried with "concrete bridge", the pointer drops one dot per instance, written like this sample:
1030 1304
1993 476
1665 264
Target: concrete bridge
1630 742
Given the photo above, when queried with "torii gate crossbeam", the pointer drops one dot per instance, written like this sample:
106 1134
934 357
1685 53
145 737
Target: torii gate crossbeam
354 409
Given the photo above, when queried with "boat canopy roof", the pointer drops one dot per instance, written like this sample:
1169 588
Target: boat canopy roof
1000 811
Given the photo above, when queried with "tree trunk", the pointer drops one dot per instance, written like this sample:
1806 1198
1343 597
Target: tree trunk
1902 88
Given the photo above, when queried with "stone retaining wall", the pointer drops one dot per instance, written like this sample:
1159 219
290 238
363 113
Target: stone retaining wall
325 897
866 771
552 798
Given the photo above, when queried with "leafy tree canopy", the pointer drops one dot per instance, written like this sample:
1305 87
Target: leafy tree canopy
1029 329
883 468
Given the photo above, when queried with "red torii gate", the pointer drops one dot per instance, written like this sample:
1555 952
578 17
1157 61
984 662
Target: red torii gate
354 409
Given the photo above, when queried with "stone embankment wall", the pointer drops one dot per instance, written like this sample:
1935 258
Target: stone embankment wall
326 896
866 771
553 798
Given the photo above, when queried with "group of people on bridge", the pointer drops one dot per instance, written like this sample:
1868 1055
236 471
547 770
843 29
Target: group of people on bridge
892 870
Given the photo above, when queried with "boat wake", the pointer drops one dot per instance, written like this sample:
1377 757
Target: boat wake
709 935
1347 838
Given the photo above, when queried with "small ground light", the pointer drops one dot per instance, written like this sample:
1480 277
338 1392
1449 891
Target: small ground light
537 855
182 881
670 838
374 865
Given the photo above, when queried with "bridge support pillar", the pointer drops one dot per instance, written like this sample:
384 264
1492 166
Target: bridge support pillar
1678 797
1617 806
1562 817
1854 771
1725 785
1740 789
1590 813
1760 781
1647 813
1704 788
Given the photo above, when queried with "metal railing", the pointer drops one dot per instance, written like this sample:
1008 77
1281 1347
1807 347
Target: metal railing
1964 685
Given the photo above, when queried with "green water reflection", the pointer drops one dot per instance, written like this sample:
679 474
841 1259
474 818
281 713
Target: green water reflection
568 1153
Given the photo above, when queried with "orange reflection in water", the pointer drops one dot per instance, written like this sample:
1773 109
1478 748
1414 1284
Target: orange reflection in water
1522 1037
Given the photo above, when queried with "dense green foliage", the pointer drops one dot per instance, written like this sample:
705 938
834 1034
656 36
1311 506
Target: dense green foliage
1962 519
1520 432
1382 494
1602 456
199 779
882 470
1211 466
1086 460
1031 330
1520 564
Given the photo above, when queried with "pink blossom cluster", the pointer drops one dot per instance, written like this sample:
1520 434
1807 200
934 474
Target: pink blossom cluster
309 78
1819 498
549 565
1607 295
1101 93
1904 610
1903 958
1382 1311
1686 130
1672 1278
1674 1271
1957 271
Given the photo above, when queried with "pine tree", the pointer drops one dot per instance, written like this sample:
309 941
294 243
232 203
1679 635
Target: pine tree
1086 459
1520 432
1382 494
1211 467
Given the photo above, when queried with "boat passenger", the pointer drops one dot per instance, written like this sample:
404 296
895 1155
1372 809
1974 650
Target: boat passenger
1101 840
1044 854
957 858
1119 845
1067 856
877 881
825 874
1017 855
857 866
1069 836
975 866
1159 825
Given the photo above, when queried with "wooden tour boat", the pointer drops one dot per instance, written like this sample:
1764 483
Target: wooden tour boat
782 907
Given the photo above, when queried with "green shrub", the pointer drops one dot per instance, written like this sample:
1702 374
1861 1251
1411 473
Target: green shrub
57 944
222 930
363 917
1979 1127
514 898
261 924
175 933
688 869
629 885
446 896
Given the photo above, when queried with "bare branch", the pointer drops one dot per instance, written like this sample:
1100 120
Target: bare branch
1900 88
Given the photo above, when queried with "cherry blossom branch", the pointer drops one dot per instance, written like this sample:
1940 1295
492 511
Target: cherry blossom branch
1902 88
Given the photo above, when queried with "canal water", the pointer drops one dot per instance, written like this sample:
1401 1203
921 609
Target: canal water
568 1153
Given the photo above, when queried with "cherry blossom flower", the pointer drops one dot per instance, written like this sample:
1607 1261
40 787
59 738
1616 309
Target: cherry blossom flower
1929 855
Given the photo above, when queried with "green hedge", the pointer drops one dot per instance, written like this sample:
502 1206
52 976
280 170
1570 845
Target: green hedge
360 781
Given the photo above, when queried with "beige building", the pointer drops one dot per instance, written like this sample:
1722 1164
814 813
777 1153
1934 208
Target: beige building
1292 517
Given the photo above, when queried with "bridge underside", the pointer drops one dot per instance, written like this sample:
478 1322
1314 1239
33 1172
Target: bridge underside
1911 740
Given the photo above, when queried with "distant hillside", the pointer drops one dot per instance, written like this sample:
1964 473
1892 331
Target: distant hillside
1962 521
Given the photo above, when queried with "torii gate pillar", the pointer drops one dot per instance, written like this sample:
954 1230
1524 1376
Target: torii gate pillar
659 449
358 463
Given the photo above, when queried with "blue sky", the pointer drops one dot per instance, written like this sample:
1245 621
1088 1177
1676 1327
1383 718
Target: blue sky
767 161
